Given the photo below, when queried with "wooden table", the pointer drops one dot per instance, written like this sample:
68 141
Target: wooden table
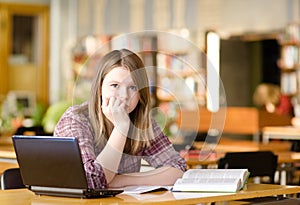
280 132
283 158
7 154
24 196
232 145
280 148
285 163
6 148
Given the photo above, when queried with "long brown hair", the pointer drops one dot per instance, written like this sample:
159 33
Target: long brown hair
140 131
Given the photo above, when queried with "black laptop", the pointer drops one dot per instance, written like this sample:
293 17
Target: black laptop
53 166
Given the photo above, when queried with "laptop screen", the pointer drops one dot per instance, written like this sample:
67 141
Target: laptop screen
49 161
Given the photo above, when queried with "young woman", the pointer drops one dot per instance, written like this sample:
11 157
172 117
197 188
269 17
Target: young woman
115 129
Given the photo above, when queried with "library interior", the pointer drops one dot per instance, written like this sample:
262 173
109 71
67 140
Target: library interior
224 81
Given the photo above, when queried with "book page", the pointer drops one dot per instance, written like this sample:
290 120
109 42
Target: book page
207 185
189 195
212 180
144 189
216 173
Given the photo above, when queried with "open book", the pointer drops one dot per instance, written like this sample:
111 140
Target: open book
212 180
144 189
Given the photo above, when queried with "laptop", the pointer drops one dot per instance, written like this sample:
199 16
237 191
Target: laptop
53 166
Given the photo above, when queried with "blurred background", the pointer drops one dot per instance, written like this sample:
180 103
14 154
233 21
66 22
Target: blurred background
48 49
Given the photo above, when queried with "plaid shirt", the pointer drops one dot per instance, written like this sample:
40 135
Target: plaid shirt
75 122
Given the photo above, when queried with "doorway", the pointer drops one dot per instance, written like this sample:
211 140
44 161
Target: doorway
246 64
24 50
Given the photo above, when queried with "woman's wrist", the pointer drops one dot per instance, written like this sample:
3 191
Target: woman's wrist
122 128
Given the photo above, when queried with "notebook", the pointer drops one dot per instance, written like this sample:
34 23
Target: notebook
53 166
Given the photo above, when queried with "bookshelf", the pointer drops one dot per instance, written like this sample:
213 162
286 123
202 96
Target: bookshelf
289 62
177 79
86 53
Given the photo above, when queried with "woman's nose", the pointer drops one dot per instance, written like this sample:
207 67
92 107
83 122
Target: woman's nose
123 93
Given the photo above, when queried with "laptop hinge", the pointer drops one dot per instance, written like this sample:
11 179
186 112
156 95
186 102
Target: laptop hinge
57 190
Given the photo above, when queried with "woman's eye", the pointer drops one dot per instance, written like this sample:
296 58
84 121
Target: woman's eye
133 88
114 85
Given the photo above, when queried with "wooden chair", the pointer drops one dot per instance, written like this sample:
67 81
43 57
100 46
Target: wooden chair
239 120
11 179
259 163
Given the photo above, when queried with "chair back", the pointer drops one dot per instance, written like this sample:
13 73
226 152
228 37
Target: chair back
259 163
11 179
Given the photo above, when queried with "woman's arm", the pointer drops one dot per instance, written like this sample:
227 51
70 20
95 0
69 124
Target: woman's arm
111 155
159 176
160 155
115 110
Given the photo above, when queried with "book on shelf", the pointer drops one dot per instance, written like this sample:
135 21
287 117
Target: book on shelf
212 180
289 83
290 56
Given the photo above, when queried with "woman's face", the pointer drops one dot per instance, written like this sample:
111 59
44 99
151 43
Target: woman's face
119 84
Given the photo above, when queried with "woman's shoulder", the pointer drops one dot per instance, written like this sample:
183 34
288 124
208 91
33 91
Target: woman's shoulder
155 125
79 111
